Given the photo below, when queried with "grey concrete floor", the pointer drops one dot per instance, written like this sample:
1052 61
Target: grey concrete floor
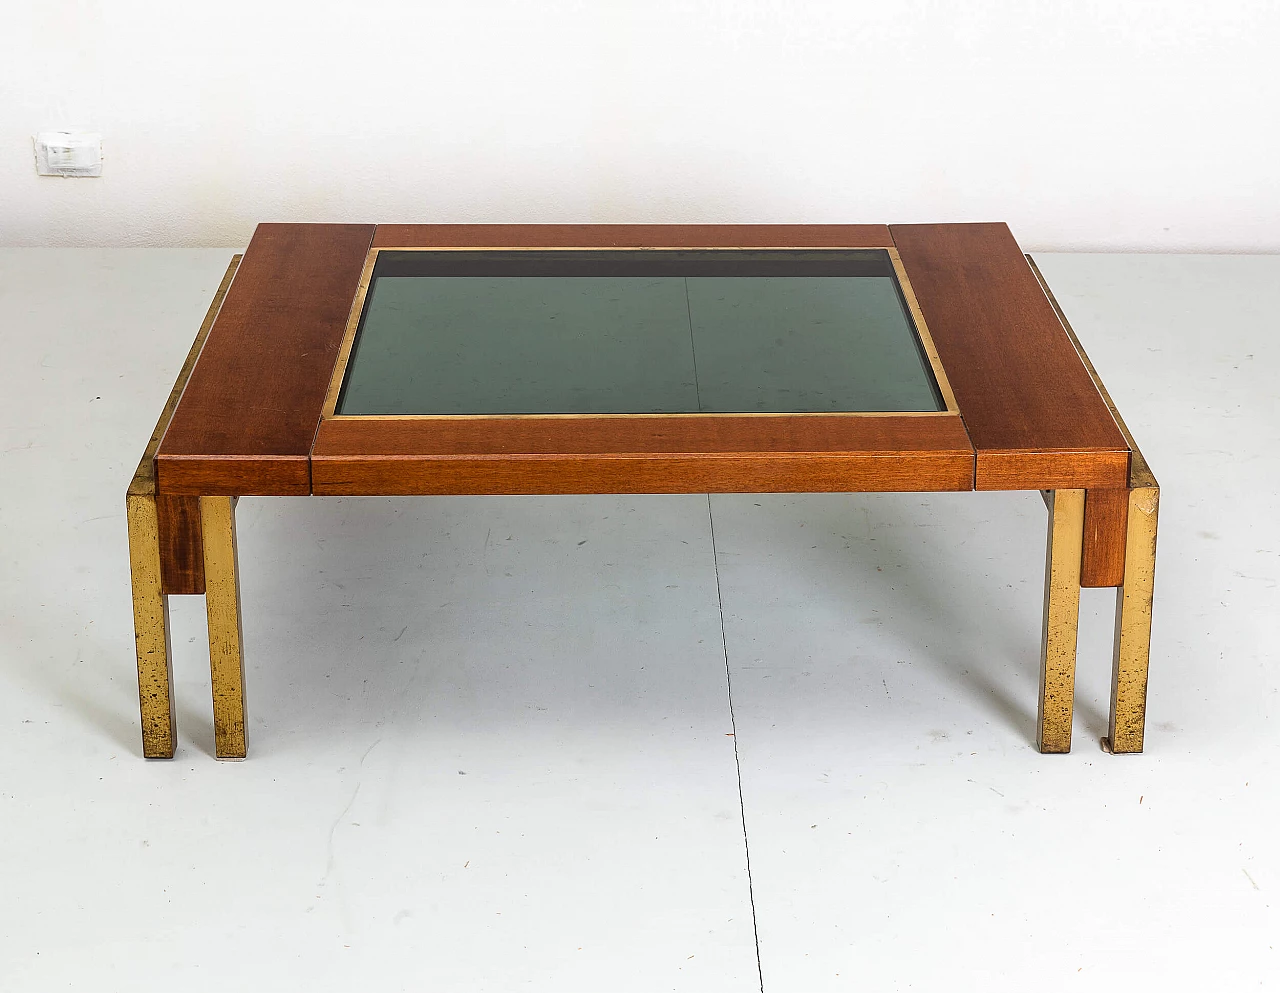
492 739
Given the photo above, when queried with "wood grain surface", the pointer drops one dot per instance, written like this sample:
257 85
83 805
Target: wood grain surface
632 236
1058 469
230 475
633 454
1106 522
247 420
181 544
1036 419
248 416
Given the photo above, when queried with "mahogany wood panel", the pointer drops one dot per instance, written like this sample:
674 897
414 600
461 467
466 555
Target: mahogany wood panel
627 434
1036 419
772 473
633 236
1106 523
246 421
181 544
1052 470
638 454
234 475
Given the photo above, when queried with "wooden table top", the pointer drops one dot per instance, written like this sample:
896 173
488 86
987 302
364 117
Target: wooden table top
252 420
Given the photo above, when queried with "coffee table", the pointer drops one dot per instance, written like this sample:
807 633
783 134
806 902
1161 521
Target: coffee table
393 359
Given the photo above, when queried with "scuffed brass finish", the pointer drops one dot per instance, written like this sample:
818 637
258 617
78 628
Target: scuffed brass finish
1061 620
1133 624
151 628
150 605
226 636
1133 597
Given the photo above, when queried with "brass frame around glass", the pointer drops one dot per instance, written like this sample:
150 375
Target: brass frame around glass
921 329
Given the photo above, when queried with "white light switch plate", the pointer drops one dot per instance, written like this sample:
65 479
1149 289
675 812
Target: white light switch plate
68 153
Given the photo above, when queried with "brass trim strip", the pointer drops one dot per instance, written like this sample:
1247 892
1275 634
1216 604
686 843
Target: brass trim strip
348 337
922 329
366 276
144 478
1140 474
704 415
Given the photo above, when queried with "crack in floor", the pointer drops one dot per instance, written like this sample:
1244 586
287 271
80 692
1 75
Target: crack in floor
733 723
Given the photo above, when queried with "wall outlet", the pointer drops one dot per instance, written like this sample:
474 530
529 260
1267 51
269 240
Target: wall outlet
68 153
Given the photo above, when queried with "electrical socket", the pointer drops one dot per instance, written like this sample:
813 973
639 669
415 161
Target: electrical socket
68 153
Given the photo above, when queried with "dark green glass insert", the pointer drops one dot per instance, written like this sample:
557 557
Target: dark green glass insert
643 331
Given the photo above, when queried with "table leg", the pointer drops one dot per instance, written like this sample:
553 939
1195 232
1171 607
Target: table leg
151 628
1133 624
1061 620
226 636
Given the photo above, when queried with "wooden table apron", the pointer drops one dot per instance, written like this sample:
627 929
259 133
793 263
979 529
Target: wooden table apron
1031 412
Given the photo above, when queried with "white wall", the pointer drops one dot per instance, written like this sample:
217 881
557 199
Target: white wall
1111 124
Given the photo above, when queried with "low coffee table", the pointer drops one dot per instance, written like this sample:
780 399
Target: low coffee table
354 359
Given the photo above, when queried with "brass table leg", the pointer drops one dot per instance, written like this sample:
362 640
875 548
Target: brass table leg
226 637
1061 620
151 628
1133 624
